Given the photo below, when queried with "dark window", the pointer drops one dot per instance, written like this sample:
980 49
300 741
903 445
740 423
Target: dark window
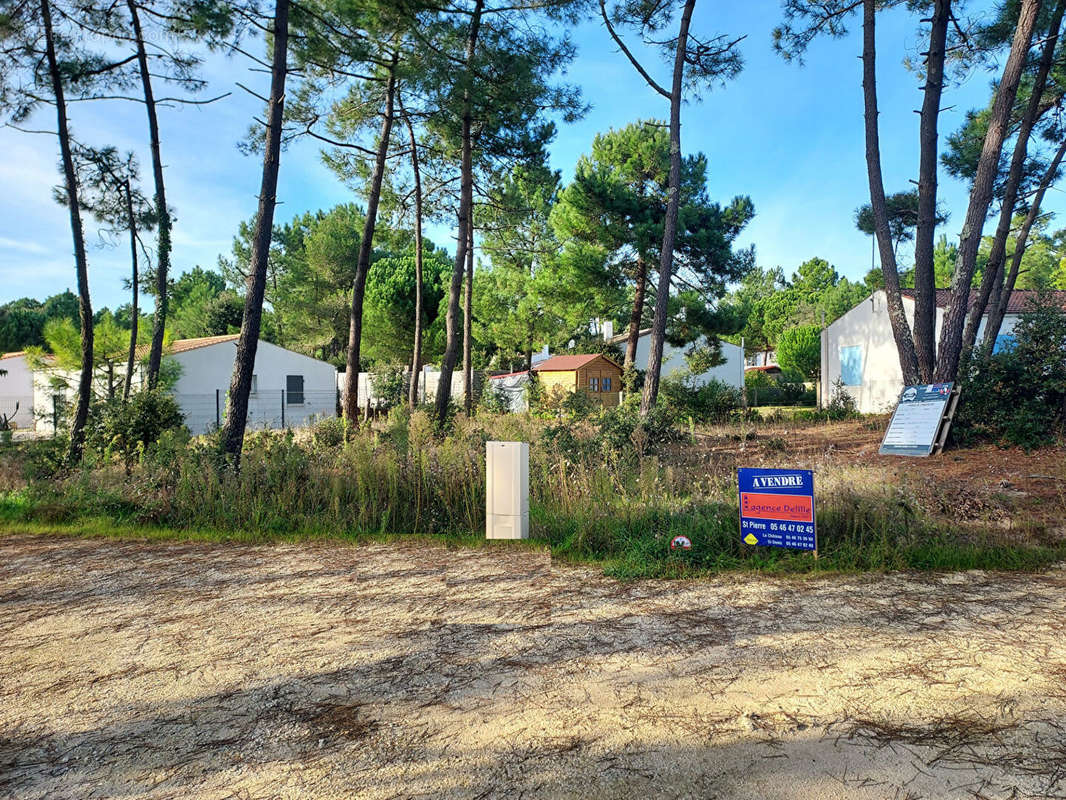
294 389
594 384
606 384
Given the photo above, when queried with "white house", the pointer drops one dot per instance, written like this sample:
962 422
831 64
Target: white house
859 348
730 372
16 389
288 389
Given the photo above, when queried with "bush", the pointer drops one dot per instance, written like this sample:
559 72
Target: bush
1018 395
714 401
622 431
493 400
785 389
128 428
329 432
390 385
841 404
558 402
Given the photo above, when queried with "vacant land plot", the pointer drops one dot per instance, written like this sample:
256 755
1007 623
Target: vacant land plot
214 671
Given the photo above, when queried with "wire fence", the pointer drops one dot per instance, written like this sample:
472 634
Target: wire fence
203 412
267 409
46 411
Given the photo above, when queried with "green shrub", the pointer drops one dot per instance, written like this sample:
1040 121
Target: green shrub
329 432
841 404
784 389
1018 395
390 384
126 428
43 459
493 399
713 401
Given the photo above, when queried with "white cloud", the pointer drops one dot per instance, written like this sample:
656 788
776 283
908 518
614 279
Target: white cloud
26 247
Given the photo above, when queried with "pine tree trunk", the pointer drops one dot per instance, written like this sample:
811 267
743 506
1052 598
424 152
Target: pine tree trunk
466 196
997 306
134 283
924 272
468 325
416 349
81 264
993 276
162 267
897 315
247 344
950 350
366 248
640 286
666 255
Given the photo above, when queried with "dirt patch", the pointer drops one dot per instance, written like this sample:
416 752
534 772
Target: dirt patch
1002 487
213 671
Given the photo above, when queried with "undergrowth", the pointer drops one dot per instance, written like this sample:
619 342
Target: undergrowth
605 489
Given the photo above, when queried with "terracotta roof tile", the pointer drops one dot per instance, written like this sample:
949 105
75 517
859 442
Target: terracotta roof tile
1017 304
184 345
569 363
14 354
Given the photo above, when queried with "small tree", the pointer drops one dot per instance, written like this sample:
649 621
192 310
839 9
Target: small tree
800 349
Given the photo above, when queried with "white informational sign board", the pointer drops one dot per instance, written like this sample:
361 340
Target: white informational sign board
920 422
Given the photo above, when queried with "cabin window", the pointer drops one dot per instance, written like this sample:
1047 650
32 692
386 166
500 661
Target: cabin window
255 384
851 365
594 384
294 389
606 384
1004 341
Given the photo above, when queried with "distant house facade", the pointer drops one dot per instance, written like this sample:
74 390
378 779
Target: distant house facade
858 348
16 389
760 359
592 373
729 372
288 389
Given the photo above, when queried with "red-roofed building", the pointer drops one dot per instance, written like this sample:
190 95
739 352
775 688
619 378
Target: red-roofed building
592 373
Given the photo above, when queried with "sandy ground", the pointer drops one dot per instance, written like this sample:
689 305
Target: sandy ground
222 671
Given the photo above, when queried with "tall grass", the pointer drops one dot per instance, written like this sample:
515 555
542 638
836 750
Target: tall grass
601 491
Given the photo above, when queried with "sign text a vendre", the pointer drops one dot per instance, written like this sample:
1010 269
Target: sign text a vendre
777 508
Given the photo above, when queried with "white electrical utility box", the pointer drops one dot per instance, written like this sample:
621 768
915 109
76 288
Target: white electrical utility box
506 490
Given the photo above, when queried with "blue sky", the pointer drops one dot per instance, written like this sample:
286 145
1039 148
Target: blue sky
790 136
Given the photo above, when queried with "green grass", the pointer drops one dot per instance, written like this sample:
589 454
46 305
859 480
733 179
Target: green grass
633 546
595 499
787 412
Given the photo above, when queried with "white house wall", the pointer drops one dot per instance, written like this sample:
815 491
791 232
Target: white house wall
731 372
206 373
16 387
427 385
867 325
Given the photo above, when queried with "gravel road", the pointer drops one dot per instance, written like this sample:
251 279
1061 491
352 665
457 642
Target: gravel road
184 670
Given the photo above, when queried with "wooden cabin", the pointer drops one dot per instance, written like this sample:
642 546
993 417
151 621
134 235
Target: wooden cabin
592 373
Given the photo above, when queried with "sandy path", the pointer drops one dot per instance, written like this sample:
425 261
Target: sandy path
211 671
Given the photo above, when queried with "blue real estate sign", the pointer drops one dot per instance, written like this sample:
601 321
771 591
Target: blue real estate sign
777 508
916 423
